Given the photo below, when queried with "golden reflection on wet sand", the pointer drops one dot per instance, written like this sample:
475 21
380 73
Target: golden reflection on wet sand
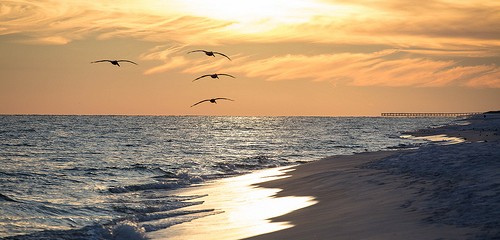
246 208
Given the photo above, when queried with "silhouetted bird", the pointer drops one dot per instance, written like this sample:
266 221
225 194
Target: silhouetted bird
213 100
114 62
210 53
215 75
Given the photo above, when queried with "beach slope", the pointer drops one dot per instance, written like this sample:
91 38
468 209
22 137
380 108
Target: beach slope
438 191
354 203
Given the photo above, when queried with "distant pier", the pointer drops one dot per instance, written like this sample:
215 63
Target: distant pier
399 114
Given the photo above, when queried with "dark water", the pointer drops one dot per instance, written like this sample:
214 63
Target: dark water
93 177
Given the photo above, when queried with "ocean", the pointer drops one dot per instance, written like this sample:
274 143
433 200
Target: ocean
95 177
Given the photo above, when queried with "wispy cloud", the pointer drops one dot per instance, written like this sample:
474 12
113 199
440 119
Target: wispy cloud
176 57
490 80
168 55
482 52
60 22
432 34
432 23
392 67
375 69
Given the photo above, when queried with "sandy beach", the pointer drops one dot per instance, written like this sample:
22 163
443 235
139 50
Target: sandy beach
439 191
355 203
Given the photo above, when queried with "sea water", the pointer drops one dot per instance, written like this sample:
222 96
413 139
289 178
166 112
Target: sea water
96 177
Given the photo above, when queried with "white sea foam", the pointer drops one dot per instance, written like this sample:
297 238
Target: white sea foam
439 138
128 230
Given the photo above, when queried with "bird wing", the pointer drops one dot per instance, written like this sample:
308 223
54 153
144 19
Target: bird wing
223 74
98 61
221 98
207 75
206 100
222 55
126 61
197 51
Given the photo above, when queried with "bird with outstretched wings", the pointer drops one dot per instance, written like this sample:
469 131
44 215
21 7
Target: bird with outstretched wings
212 100
210 53
114 62
215 75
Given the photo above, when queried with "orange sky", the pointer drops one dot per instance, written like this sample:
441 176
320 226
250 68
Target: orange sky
289 57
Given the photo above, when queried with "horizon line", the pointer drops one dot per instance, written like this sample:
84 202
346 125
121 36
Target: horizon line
200 115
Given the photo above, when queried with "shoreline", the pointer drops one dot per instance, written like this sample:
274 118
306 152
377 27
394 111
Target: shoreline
238 208
354 203
399 194
437 191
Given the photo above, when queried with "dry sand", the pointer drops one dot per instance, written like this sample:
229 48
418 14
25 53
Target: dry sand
354 203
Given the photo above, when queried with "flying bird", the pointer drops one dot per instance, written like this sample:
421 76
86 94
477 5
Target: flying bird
210 53
213 100
114 62
215 75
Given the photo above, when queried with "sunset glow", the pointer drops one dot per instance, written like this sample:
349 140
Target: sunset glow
380 49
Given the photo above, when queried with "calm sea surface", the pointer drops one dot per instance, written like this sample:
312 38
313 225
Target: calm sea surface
90 177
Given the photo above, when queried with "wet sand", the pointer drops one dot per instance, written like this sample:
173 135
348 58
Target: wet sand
236 208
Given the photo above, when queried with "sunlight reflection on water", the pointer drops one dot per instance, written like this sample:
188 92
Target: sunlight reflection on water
246 209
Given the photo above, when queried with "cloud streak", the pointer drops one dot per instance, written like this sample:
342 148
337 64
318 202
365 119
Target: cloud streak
60 22
429 36
399 23
176 58
392 67
374 69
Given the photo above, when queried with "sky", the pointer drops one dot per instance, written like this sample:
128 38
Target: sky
289 57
